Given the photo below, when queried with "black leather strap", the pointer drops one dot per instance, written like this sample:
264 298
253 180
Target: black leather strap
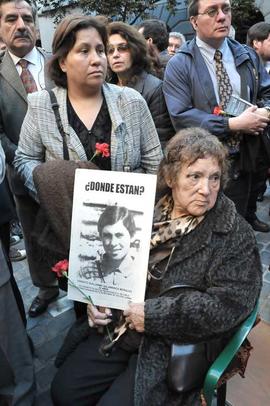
181 286
55 107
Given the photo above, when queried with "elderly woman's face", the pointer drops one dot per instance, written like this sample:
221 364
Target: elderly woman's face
85 64
196 188
119 56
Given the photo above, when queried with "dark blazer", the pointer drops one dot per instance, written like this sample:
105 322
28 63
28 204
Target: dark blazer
150 87
13 108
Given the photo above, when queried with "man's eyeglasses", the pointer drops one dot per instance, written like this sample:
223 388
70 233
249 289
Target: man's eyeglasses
121 48
213 12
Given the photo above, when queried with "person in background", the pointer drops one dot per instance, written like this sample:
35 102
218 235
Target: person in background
194 223
156 34
13 224
90 110
199 82
22 72
17 382
176 40
130 65
258 38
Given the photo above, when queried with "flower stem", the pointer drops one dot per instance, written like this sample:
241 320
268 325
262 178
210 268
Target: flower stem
95 154
77 287
86 297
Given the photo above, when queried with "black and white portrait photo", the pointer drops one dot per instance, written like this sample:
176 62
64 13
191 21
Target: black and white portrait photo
117 246
111 228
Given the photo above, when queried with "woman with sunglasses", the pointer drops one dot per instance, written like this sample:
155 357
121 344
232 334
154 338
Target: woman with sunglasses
198 241
130 65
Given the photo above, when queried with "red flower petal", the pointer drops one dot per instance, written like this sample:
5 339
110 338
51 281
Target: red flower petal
102 149
60 267
217 111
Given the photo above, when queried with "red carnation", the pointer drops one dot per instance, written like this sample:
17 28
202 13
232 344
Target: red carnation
217 111
60 268
102 149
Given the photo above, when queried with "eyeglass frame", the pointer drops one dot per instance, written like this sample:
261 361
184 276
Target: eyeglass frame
226 9
121 48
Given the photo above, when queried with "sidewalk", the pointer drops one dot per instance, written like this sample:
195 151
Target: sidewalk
48 331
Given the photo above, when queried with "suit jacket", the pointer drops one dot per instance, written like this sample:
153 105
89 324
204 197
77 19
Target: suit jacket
13 108
191 98
134 139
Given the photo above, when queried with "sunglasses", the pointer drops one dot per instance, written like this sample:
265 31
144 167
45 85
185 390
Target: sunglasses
121 48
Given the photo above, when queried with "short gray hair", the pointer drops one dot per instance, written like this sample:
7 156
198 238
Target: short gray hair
178 35
30 2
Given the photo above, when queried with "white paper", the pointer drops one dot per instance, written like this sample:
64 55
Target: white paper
90 266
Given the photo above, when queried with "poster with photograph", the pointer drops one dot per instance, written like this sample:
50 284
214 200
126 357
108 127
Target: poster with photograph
110 236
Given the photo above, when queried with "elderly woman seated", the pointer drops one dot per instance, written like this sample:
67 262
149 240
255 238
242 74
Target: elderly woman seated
198 240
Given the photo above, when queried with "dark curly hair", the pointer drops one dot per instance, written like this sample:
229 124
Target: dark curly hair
141 60
64 40
185 148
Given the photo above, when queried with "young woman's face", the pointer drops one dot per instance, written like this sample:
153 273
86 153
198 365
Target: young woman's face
119 55
86 63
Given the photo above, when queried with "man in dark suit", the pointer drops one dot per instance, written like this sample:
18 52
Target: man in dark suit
22 72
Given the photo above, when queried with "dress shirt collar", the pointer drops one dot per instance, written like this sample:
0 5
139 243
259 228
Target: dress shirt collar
209 52
32 57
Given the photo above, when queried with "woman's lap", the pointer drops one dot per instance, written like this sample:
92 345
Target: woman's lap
86 375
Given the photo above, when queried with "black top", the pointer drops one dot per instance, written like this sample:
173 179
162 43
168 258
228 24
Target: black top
100 132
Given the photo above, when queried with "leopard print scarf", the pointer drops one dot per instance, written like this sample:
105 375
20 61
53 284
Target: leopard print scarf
165 228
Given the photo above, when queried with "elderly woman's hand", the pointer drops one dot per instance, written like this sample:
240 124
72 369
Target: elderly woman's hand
135 316
98 318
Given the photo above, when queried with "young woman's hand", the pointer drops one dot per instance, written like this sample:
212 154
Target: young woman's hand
98 316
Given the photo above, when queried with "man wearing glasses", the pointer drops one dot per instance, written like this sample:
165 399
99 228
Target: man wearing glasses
198 85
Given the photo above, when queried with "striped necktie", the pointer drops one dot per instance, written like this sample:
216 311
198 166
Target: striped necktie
27 77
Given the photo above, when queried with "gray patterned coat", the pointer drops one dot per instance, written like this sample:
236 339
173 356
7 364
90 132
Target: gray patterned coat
220 255
134 139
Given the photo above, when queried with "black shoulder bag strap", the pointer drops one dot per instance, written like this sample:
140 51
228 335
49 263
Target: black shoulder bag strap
179 286
55 107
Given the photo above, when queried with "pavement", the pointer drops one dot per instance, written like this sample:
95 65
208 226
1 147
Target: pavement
48 330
